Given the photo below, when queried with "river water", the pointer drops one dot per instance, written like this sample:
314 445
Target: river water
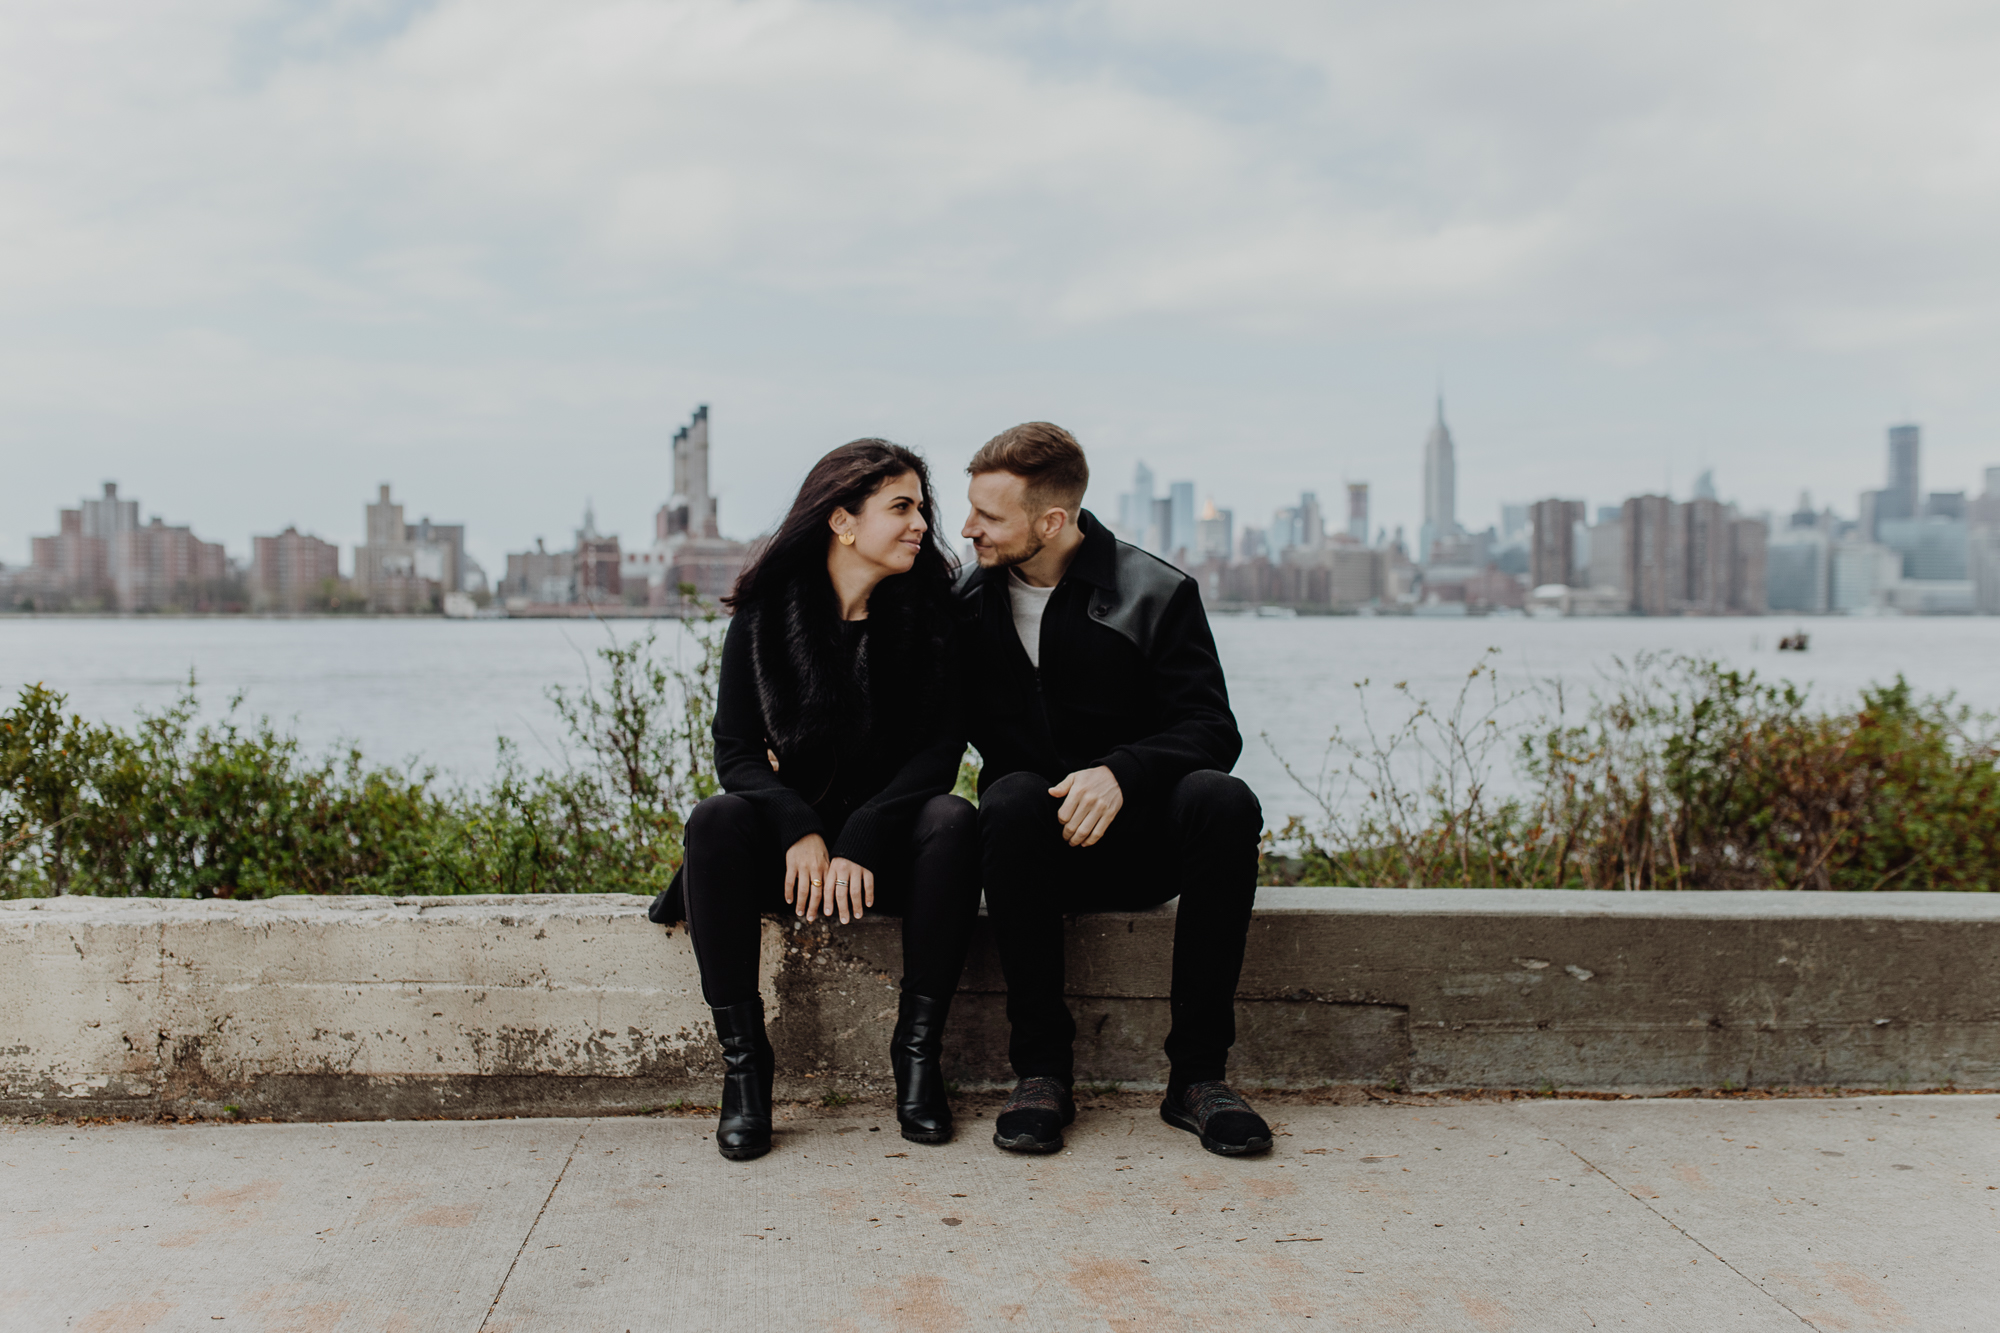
441 693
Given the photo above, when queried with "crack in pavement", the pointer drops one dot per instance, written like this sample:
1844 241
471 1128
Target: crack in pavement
1692 1238
553 1187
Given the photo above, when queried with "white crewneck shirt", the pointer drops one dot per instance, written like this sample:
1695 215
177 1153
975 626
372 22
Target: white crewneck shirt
1028 602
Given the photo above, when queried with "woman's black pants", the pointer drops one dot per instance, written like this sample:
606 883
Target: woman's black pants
735 873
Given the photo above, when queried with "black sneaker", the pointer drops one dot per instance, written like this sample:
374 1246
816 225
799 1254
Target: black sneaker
1033 1117
1223 1121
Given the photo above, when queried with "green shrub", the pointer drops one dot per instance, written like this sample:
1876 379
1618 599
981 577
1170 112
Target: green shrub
1686 775
232 808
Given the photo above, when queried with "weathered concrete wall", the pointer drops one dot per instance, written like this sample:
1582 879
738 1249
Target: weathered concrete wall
538 1005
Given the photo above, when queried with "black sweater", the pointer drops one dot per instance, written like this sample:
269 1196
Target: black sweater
859 788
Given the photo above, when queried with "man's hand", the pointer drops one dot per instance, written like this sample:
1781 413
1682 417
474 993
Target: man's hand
806 882
1091 800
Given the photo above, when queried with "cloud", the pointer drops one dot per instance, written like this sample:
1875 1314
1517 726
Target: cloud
457 220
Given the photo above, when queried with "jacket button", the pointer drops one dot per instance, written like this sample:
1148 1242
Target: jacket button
1099 611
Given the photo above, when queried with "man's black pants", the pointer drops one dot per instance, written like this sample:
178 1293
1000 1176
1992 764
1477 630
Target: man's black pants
1197 842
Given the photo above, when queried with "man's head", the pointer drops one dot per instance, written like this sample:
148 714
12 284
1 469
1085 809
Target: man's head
1026 491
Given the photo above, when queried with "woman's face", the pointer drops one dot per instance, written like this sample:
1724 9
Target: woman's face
889 530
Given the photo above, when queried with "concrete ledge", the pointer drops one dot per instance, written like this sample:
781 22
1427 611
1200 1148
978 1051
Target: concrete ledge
373 1007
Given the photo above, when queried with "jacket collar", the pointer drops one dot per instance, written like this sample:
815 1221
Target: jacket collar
1096 562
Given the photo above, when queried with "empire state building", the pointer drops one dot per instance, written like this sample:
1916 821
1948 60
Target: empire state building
1440 487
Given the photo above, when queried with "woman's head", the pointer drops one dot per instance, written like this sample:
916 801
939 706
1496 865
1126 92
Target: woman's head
875 492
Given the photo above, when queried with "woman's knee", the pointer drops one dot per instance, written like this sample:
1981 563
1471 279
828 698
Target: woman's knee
721 818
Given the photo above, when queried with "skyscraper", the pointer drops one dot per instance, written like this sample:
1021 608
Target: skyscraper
1180 541
692 510
1552 553
1135 510
1357 511
1899 497
1440 486
688 549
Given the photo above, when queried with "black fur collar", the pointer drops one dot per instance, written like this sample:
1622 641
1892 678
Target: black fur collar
811 696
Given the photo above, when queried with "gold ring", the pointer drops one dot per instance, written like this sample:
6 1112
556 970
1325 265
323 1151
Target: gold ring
815 883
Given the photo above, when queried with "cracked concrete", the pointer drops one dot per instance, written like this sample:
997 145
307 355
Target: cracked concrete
336 1008
1832 1214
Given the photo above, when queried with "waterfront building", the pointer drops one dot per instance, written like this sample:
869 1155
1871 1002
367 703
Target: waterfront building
1984 512
1357 511
1932 549
1863 573
1215 535
689 550
1440 487
292 570
1899 497
1473 587
540 577
1553 556
1945 504
1181 540
1700 558
101 556
1284 533
1932 597
1606 552
1983 561
404 567
1800 562
1646 525
157 567
1135 510
595 568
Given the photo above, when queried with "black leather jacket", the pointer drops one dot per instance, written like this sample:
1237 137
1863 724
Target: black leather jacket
1129 676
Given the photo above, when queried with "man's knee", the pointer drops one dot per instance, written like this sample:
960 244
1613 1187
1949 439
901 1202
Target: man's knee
1014 800
1218 802
950 817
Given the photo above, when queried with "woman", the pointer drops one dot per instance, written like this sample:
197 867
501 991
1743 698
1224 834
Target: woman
837 740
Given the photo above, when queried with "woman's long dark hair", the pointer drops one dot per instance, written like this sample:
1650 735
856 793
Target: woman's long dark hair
844 479
808 692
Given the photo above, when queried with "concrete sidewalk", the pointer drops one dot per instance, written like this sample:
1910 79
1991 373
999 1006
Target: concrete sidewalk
1862 1213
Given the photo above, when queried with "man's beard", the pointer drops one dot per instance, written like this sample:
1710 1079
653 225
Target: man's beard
1020 555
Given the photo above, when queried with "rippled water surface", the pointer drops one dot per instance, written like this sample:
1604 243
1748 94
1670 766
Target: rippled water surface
441 692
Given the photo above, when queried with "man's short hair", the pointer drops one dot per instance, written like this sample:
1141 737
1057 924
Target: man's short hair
1045 456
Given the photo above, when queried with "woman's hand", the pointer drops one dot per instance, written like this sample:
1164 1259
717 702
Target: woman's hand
805 875
851 884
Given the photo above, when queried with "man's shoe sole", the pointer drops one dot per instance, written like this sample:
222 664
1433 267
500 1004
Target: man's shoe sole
927 1135
1182 1120
743 1154
1028 1143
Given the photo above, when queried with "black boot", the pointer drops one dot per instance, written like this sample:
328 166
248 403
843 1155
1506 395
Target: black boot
915 1054
744 1129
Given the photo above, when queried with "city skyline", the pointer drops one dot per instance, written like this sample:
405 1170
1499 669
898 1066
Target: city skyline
267 257
663 473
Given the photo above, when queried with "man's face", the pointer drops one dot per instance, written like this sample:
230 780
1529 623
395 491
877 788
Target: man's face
1000 528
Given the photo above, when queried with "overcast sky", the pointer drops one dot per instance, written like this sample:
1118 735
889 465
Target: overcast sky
256 258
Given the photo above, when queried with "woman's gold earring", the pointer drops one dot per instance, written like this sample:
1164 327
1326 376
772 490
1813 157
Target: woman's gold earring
847 539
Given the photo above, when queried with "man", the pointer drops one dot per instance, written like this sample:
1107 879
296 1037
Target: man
1099 709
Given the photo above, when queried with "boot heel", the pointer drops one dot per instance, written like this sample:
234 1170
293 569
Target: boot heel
743 1130
916 1054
